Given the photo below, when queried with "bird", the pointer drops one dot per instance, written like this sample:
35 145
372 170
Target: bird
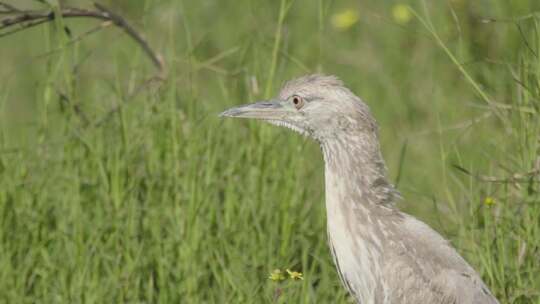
382 254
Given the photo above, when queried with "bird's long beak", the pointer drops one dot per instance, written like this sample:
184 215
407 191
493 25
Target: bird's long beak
273 109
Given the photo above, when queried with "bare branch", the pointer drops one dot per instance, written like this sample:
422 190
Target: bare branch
122 23
18 20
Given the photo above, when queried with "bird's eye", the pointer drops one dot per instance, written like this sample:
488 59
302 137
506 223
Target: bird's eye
298 102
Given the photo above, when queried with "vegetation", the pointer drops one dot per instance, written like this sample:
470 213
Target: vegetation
114 188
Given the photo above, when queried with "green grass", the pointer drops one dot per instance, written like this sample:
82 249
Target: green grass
161 201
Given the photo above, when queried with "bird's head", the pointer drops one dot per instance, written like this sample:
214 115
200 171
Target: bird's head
317 106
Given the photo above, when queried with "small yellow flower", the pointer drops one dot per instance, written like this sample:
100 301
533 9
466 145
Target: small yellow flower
345 19
277 275
295 275
402 14
488 201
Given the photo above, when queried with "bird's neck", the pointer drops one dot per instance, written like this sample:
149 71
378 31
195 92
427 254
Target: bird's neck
354 167
360 211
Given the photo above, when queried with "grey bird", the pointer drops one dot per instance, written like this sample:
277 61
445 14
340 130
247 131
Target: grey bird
382 254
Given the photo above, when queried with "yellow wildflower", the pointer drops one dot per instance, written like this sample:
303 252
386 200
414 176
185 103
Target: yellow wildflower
402 14
345 19
488 201
277 275
295 275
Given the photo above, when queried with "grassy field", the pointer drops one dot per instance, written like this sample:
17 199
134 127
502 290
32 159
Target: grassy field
114 189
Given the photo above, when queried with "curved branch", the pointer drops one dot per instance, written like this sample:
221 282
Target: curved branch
24 19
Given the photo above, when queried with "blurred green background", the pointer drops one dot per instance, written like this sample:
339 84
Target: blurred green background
119 187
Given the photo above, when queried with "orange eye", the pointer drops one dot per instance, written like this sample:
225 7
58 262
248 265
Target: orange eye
298 102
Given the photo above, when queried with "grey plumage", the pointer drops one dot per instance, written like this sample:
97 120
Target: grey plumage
382 255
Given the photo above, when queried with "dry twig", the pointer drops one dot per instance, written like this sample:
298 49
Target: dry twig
18 19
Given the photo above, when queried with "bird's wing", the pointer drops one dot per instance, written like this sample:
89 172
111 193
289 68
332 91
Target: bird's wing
466 287
417 282
422 267
403 284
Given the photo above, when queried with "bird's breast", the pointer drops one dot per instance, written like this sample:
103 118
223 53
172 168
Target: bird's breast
356 253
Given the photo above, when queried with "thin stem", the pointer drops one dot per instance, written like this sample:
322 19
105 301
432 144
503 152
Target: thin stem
275 50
